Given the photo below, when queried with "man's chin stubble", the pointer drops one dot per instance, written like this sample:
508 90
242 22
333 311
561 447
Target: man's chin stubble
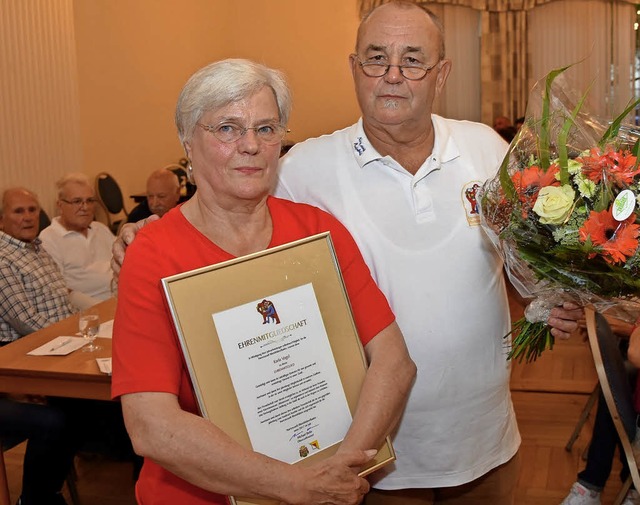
389 103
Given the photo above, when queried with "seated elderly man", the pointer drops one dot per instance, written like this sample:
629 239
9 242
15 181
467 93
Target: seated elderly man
33 293
80 246
163 193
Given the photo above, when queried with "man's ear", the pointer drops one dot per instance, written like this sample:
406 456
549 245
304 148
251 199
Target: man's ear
443 73
352 65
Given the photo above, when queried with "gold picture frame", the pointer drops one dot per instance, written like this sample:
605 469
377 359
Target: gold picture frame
195 297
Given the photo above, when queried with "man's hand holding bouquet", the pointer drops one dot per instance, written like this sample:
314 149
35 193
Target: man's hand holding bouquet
563 212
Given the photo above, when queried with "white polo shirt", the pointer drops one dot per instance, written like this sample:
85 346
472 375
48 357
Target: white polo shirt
421 238
85 262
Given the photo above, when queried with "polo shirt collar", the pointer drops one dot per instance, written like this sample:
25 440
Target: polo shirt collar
362 150
446 150
443 151
57 226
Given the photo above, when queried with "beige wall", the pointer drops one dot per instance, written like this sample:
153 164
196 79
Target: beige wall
135 55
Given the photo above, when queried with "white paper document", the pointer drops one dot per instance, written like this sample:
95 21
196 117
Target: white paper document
59 346
284 374
106 329
104 364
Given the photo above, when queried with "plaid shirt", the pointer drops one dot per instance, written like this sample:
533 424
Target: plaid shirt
32 291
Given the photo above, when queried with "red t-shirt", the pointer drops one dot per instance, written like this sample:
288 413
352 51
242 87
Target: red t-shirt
146 352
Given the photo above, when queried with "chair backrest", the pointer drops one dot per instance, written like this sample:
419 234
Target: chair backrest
614 382
187 189
44 220
111 200
109 193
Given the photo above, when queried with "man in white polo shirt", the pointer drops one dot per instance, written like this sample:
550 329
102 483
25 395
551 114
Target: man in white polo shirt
404 182
79 245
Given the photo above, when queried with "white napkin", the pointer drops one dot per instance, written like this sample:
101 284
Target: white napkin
59 346
104 364
106 329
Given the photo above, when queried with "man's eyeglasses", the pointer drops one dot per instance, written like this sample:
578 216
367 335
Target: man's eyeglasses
77 202
411 71
269 134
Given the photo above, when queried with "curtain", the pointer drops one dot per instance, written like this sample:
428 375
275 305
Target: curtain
504 64
39 116
365 6
461 97
599 40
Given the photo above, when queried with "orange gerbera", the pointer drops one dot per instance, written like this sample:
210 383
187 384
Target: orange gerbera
615 166
529 181
617 240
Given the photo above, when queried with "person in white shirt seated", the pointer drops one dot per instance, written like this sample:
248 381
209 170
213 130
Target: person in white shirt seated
79 245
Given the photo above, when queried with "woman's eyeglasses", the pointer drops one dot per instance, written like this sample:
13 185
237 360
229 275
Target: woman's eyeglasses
269 134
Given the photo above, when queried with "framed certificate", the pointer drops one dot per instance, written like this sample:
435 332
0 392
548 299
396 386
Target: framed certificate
273 352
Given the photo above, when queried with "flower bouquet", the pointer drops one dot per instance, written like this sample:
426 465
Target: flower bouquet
563 213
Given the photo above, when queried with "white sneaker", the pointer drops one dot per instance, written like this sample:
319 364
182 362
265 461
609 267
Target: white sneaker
580 495
632 498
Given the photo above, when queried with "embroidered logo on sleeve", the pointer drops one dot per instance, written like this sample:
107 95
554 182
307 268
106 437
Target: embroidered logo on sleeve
470 202
359 147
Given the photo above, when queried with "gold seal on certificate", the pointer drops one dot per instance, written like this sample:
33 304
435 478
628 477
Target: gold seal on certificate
272 350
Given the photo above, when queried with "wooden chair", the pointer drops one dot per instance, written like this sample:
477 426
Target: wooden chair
110 197
584 415
616 389
4 484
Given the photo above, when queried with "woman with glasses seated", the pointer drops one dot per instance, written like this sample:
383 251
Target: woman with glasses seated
231 118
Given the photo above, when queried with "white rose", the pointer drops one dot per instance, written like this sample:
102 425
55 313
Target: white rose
554 204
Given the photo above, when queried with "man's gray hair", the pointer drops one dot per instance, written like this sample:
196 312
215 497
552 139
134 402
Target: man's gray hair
223 82
407 4
73 177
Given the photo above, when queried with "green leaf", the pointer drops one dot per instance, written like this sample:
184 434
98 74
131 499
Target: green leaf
505 180
634 150
613 129
529 341
545 123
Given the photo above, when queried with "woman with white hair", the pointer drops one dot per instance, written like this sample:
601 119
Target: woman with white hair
231 118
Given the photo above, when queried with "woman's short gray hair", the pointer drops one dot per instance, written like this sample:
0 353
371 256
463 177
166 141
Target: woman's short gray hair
223 82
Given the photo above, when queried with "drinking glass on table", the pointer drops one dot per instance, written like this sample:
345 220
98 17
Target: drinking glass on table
88 324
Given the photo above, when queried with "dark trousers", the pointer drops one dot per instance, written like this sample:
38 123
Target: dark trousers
604 441
52 443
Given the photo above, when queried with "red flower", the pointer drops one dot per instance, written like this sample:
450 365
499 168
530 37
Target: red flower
614 166
617 240
529 181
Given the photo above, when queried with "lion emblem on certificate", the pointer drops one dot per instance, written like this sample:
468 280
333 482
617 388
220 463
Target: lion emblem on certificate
284 375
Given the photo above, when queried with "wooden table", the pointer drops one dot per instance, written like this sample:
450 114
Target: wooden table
75 375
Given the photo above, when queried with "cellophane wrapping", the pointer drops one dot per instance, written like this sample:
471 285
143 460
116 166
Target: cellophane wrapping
563 212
